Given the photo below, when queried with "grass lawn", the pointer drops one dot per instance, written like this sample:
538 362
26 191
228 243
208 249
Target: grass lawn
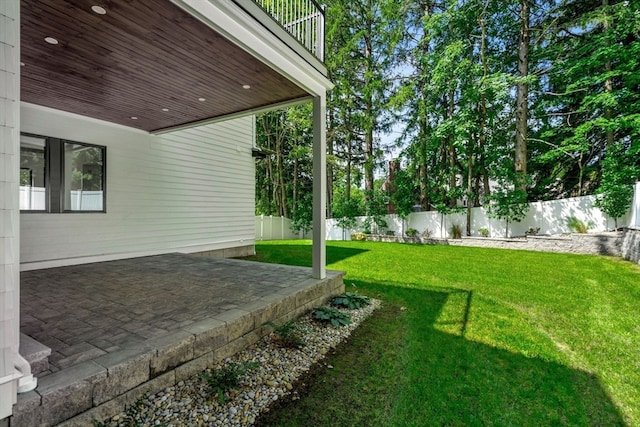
474 336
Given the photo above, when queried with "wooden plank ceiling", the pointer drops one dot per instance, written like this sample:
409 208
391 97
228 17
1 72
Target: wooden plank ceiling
146 59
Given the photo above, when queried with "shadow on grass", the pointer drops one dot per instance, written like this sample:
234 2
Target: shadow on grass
296 254
398 369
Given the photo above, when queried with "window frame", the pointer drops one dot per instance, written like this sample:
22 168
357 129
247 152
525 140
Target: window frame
54 179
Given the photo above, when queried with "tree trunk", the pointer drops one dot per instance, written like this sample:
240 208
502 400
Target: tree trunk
369 160
469 184
522 98
482 141
330 151
347 193
608 84
294 196
452 150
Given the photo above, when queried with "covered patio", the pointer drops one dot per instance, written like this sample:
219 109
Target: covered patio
120 329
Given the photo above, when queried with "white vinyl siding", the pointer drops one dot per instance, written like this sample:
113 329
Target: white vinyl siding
189 191
9 213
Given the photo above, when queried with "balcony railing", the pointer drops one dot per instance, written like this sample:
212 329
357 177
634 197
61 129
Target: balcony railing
303 19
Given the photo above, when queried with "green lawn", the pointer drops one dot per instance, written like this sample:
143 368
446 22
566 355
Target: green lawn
473 336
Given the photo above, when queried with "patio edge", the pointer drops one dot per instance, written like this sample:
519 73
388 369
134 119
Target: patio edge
102 387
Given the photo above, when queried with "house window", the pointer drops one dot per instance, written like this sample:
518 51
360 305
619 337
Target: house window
61 176
33 169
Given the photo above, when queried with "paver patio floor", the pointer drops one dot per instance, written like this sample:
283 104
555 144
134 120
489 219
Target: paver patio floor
82 312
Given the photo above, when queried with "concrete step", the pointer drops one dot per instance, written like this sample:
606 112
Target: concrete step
37 354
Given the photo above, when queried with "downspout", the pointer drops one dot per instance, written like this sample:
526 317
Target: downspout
26 380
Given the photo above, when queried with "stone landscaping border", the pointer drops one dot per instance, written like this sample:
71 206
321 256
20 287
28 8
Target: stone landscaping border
590 243
631 244
191 402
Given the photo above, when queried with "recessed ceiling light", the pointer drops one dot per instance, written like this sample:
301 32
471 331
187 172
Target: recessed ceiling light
165 109
51 40
202 99
99 10
246 87
134 118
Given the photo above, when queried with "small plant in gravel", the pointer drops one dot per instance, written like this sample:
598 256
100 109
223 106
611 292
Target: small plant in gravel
484 232
532 231
426 233
359 236
411 232
227 378
331 315
456 231
289 334
351 300
579 226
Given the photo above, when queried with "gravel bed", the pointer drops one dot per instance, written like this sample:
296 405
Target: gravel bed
274 371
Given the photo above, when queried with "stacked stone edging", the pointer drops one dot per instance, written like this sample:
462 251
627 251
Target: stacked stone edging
631 244
592 244
97 389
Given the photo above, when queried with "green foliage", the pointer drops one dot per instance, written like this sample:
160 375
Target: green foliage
411 232
351 300
358 236
591 100
579 226
331 315
404 196
390 233
284 178
426 233
346 211
509 204
376 208
290 333
484 232
621 169
227 378
455 231
302 214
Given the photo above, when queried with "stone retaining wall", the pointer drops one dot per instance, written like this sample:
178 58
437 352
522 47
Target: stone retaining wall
594 244
100 388
631 244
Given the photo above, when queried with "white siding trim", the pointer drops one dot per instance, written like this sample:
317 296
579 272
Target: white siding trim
235 24
184 191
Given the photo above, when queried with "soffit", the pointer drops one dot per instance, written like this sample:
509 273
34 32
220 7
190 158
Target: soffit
146 59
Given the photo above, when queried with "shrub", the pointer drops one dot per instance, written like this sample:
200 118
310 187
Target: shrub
426 233
358 236
411 232
351 300
390 233
289 334
227 378
484 232
331 315
456 231
578 226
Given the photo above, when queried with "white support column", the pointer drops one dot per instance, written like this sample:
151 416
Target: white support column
319 260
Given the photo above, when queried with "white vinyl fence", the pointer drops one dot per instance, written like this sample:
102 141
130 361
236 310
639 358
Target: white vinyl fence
634 220
550 217
276 228
34 199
